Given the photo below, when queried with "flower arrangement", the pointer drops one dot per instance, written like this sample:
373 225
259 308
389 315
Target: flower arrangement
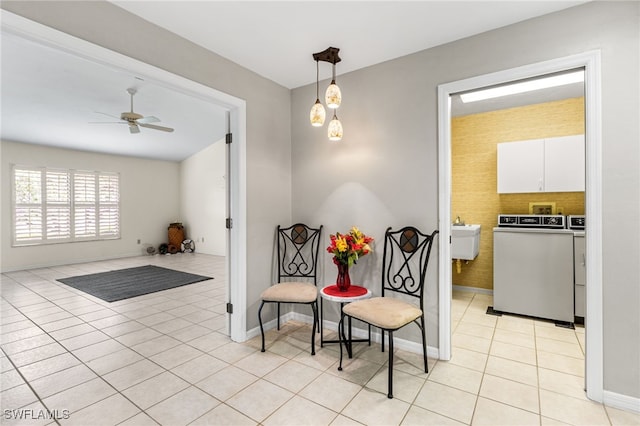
348 248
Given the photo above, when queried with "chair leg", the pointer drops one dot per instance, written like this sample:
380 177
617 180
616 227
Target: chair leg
318 318
314 308
278 315
390 391
260 321
424 344
340 324
322 322
382 339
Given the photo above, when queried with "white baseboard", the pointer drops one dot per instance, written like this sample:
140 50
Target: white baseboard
51 264
623 402
473 289
359 333
271 325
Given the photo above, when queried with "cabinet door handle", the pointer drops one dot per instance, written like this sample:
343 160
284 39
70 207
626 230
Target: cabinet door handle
540 185
584 260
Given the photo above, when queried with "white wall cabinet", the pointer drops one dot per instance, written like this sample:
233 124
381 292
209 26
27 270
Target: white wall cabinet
542 165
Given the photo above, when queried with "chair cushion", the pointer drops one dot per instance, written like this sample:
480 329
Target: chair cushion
290 292
383 312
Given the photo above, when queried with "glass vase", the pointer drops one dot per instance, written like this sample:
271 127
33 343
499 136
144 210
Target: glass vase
343 281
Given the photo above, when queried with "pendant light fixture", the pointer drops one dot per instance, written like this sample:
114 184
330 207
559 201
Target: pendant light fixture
334 131
317 114
333 96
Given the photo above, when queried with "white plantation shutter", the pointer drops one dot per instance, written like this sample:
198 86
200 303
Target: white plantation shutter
58 205
28 205
63 206
84 202
28 222
109 210
28 185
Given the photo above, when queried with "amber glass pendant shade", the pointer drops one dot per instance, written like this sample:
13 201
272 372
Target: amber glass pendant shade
334 131
333 96
317 114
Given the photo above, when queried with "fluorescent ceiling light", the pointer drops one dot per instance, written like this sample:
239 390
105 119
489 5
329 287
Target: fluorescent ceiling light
525 86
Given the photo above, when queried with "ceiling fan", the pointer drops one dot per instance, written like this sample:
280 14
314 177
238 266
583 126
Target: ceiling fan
135 120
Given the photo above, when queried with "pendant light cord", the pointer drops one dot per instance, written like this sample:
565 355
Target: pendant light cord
317 78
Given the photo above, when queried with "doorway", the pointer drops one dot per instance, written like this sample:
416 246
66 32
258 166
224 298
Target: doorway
236 108
593 319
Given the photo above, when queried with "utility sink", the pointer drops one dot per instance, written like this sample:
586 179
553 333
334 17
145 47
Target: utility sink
465 241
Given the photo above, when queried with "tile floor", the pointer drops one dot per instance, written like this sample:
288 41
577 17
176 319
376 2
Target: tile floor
164 358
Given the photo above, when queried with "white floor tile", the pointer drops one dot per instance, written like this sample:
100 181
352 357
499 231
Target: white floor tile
155 389
227 382
447 401
511 393
331 392
259 400
492 413
300 411
571 410
165 358
370 407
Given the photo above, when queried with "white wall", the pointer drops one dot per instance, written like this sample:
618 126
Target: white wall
149 201
202 199
384 172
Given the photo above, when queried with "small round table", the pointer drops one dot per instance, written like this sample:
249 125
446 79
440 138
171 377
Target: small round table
333 294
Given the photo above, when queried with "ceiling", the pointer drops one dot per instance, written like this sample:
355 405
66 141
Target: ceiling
51 97
277 38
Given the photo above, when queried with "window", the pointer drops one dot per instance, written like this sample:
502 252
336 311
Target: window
53 205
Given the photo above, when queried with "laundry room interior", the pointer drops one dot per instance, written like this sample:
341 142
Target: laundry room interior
489 199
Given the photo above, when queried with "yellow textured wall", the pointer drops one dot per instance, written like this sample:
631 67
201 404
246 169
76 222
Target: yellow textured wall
474 140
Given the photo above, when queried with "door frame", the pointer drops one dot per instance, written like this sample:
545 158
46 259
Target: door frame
591 62
236 251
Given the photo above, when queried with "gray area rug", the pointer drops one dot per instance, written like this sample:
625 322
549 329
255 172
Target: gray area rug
131 282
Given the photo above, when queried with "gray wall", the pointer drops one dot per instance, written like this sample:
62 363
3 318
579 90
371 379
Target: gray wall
268 105
384 172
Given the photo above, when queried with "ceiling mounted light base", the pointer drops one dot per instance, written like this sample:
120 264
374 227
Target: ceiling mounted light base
328 55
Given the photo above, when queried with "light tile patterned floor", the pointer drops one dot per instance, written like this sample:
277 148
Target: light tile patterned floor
164 358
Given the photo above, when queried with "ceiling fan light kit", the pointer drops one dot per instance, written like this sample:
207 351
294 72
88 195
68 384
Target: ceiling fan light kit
333 96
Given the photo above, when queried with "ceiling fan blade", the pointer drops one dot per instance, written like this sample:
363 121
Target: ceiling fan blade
148 119
153 126
108 115
133 128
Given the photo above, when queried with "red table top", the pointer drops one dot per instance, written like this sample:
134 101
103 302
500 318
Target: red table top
352 291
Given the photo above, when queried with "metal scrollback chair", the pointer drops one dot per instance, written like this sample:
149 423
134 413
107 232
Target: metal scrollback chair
404 268
297 252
